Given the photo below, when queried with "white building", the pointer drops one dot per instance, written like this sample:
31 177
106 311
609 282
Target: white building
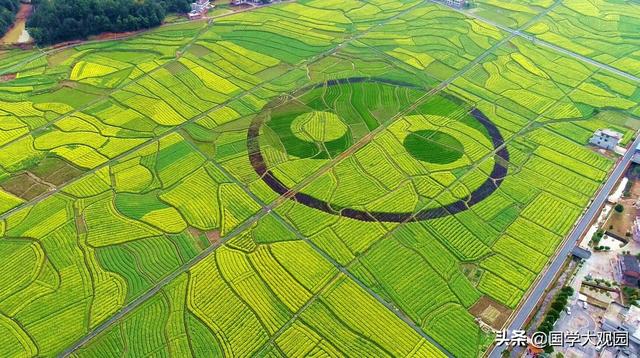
249 2
606 138
619 318
458 4
200 6
199 9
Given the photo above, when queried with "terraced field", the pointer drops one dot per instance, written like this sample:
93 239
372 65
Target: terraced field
336 178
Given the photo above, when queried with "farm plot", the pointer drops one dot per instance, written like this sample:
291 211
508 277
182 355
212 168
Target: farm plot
111 235
537 176
120 94
257 284
512 13
434 39
301 145
605 29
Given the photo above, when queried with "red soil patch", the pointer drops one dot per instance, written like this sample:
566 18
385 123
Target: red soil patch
213 236
7 77
24 12
13 34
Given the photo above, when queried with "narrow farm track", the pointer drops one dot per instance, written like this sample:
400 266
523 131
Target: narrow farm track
267 208
297 188
529 304
49 51
124 85
238 230
180 126
519 33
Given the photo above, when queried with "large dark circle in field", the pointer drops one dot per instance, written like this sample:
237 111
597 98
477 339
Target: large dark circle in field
490 185
433 147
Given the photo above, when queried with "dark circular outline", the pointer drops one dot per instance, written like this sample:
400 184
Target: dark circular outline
490 185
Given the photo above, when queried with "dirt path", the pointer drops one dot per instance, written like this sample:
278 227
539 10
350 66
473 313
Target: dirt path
17 34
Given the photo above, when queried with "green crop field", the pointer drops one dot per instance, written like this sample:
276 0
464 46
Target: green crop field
334 178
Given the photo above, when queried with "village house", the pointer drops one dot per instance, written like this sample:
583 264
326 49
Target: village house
199 9
630 270
250 2
606 138
458 4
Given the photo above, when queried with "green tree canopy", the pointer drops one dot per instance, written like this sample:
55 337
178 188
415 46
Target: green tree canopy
62 20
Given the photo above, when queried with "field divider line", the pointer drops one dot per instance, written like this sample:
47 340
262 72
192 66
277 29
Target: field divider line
516 135
235 97
365 140
267 209
249 222
235 232
53 49
345 271
110 92
571 238
536 41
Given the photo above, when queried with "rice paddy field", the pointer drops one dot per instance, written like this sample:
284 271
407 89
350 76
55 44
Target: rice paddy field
330 178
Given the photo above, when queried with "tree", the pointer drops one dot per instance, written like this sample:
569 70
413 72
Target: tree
619 208
8 10
557 305
63 20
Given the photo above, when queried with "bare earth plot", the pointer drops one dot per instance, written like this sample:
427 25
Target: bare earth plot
321 177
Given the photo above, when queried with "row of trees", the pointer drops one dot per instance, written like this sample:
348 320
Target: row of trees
558 304
62 20
8 10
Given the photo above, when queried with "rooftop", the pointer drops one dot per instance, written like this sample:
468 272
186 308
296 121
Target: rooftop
630 263
581 253
615 313
608 132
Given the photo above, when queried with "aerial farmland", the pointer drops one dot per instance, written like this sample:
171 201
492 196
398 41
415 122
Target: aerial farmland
306 178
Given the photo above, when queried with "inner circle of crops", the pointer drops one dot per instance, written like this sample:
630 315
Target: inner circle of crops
292 139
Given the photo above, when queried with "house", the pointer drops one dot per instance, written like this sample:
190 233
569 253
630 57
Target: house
619 318
199 9
200 6
194 15
581 253
250 2
605 138
458 4
630 270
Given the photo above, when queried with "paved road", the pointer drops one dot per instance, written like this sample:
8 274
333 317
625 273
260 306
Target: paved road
527 308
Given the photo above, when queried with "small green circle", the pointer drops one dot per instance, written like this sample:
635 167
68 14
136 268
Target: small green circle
433 147
318 127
